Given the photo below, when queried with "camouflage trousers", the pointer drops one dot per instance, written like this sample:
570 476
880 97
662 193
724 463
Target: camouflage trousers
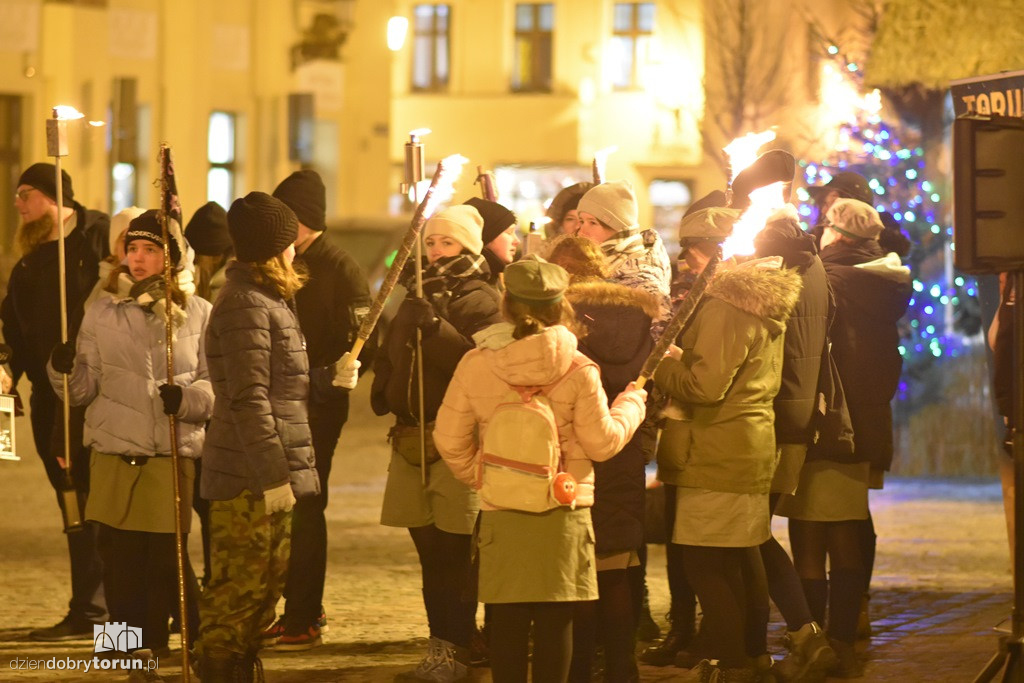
248 566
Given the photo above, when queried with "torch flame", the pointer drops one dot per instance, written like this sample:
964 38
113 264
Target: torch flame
763 201
446 189
414 135
65 112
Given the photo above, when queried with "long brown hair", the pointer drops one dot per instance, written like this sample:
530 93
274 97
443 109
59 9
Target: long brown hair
532 318
279 275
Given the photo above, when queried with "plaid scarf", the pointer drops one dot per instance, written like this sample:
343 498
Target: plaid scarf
621 246
446 274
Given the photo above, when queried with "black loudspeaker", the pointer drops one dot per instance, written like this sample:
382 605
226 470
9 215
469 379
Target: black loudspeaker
125 125
300 128
988 194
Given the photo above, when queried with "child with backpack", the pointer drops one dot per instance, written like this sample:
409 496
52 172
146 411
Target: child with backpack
523 419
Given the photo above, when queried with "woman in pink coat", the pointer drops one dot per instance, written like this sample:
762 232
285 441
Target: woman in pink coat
534 565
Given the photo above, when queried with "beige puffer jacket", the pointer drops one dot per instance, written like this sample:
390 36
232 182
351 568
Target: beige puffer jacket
588 429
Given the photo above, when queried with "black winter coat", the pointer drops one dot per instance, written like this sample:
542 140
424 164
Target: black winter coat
618 321
805 329
258 437
865 342
31 310
330 306
464 310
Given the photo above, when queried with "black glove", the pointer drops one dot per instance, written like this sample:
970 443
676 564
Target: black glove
421 315
171 396
62 358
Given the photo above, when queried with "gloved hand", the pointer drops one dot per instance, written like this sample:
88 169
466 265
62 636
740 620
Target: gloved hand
279 499
421 315
346 372
171 396
62 358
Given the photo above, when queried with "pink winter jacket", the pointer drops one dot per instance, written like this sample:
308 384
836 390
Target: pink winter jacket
588 429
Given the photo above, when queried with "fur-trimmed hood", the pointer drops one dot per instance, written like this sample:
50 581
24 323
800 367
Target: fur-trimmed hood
601 293
618 328
759 287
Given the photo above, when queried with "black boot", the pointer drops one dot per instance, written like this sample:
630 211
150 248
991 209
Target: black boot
250 668
219 668
676 640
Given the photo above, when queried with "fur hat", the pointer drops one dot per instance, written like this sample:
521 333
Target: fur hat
462 222
613 203
304 193
146 226
497 218
853 218
261 227
119 223
848 184
207 230
567 199
43 177
712 223
533 280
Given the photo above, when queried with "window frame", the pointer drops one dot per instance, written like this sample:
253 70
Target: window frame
230 167
634 34
541 73
437 83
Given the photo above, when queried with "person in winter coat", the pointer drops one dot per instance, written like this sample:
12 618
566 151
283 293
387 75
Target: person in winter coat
258 456
330 307
810 653
826 515
718 445
498 235
31 316
616 321
118 227
535 566
118 368
440 515
207 233
636 258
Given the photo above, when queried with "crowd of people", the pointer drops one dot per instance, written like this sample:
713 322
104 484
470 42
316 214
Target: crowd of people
521 435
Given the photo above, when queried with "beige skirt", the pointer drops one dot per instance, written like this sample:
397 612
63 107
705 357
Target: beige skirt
720 519
537 557
828 492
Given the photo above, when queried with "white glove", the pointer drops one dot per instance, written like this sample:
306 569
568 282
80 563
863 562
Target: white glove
346 372
279 499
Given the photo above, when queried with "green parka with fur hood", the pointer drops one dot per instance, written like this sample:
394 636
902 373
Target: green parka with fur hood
726 382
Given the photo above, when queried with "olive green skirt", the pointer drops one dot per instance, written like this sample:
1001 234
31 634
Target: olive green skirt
445 501
138 497
537 557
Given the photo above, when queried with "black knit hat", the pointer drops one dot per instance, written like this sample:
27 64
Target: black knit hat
146 226
304 193
207 231
848 184
497 218
261 227
43 177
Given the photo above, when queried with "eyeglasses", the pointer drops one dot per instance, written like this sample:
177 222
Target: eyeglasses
23 194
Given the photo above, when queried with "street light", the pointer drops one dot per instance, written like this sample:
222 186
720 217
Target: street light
398 27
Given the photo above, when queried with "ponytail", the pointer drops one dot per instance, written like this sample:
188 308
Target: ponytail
533 318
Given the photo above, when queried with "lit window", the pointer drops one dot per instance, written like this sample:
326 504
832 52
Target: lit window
430 47
531 70
669 198
220 152
123 178
632 30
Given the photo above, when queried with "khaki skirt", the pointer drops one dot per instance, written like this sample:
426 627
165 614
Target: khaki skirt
828 492
138 497
445 501
537 557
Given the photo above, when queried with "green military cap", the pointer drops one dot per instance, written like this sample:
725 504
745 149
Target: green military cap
713 223
533 280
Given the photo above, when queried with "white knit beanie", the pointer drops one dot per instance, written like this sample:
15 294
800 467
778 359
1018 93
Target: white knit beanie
612 203
461 222
855 219
119 223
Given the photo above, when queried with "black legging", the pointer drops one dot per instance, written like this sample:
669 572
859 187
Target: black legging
733 593
783 582
610 620
842 544
510 641
448 595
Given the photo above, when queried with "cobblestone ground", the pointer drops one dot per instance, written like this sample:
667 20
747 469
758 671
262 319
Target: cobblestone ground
941 583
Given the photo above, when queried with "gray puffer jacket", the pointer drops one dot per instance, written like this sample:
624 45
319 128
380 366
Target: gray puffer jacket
120 362
259 436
